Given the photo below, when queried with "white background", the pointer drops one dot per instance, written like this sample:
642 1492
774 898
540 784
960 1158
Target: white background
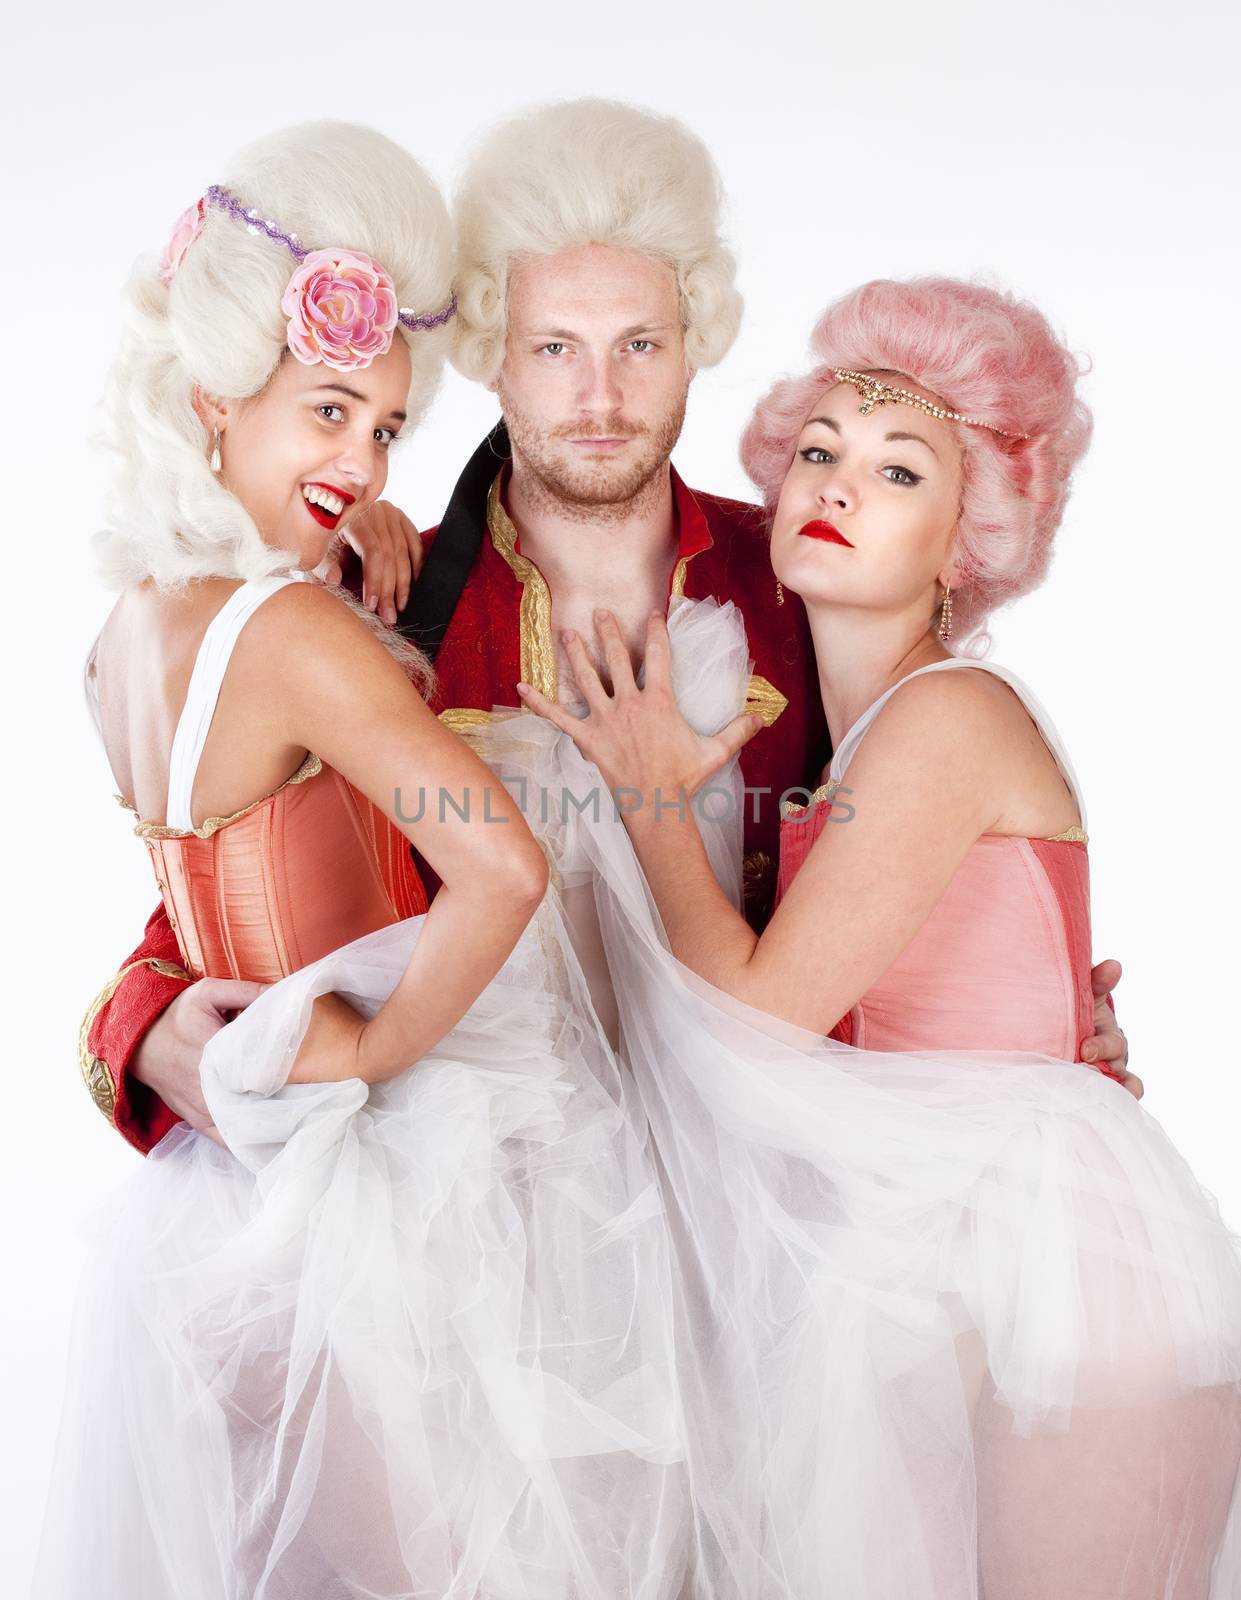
1081 153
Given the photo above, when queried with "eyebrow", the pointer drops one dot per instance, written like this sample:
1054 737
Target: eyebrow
889 437
917 438
354 394
633 332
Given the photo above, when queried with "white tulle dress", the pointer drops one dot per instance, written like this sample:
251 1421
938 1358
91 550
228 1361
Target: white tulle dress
750 1314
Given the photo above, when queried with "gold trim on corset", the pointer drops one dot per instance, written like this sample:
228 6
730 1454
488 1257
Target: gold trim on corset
824 792
765 698
94 1069
1074 835
310 768
538 652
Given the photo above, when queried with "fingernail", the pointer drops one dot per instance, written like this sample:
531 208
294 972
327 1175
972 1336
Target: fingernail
389 615
523 688
568 635
1089 1052
372 602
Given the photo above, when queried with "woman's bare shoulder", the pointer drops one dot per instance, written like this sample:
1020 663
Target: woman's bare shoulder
953 712
970 727
309 627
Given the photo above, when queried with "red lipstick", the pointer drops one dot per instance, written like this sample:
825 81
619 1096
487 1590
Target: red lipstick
321 514
825 531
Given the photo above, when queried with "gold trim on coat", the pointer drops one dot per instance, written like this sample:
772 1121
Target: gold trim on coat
464 719
765 698
538 652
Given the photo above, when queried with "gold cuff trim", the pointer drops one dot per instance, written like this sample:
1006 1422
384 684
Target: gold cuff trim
1073 835
310 768
765 698
538 653
169 969
96 1074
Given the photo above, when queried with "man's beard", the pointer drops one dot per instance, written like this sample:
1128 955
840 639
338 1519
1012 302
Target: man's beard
594 489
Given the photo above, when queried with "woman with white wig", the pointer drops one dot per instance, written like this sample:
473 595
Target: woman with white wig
394 1323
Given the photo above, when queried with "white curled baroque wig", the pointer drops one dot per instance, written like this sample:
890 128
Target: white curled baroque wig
218 326
590 172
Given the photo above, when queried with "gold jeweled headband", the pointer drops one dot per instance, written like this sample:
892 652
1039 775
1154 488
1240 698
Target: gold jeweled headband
876 393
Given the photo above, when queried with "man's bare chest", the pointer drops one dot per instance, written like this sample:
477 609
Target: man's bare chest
574 606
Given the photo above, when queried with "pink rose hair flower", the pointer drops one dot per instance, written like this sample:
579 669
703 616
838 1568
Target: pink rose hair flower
342 310
185 230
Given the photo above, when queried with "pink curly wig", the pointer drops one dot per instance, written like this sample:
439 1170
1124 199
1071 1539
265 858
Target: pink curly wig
978 351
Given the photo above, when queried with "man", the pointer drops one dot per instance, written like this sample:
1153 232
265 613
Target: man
593 286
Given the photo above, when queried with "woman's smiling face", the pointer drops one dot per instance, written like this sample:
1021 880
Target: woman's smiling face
310 453
869 506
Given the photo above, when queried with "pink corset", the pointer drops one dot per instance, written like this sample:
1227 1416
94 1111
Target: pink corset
296 875
286 880
1003 960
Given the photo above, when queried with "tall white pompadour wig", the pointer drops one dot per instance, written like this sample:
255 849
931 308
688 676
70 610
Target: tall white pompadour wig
219 326
590 172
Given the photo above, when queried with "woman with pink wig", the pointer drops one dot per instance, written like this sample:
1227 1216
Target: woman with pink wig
957 1319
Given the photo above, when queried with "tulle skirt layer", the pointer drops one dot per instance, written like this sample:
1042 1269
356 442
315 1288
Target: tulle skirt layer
756 1317
410 1342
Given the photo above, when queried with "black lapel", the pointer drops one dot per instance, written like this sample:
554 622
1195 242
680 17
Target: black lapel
455 547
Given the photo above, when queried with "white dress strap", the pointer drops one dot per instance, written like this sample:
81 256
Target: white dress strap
210 665
1046 727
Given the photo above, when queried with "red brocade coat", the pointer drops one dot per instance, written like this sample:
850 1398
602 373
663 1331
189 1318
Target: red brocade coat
497 634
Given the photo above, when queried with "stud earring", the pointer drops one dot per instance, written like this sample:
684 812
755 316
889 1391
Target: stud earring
779 593
214 462
945 616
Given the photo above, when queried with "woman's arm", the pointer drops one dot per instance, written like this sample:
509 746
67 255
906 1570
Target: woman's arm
924 784
329 686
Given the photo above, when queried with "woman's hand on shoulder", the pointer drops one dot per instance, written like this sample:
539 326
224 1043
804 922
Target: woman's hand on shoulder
390 549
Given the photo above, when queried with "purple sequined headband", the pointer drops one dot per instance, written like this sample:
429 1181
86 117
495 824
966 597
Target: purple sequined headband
341 305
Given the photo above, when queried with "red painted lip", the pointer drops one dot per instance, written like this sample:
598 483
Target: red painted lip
825 532
322 517
341 494
325 519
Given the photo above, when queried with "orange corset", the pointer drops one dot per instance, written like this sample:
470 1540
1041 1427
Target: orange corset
284 881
